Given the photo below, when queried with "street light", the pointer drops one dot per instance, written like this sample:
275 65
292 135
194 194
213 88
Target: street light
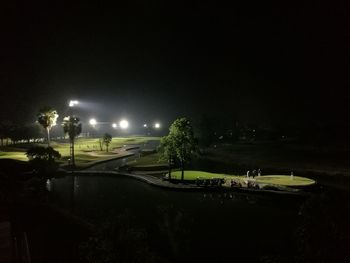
72 103
124 124
145 125
93 122
157 125
114 125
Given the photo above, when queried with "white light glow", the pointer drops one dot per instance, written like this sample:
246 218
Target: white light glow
72 103
124 124
145 125
157 125
114 125
93 122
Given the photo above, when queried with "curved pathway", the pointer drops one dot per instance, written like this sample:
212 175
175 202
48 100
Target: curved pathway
190 187
152 180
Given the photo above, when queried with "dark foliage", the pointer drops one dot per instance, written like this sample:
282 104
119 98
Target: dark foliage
323 234
43 160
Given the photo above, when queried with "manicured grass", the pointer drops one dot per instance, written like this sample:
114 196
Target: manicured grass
278 180
285 180
21 156
193 175
152 159
148 162
83 148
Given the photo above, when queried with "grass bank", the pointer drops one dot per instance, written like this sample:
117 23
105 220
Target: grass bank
87 150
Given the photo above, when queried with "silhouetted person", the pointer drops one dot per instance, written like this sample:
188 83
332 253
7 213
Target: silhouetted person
254 173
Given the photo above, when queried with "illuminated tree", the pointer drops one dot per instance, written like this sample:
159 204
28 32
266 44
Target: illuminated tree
167 151
107 138
72 126
183 142
47 118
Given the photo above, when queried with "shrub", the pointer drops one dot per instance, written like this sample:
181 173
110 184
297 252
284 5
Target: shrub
43 160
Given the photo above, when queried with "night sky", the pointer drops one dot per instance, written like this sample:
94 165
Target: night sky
148 60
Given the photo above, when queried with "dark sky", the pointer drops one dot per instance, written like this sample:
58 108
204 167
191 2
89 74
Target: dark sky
160 59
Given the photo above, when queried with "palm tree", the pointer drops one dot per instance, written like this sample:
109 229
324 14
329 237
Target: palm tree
47 118
107 138
72 126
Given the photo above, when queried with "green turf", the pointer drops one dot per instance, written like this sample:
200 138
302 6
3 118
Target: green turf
152 159
16 155
285 180
278 180
193 175
83 149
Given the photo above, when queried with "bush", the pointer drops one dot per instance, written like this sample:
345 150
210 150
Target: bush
43 160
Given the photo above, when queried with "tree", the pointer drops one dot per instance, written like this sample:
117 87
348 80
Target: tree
107 138
72 126
5 129
182 138
47 118
167 151
15 133
43 159
100 142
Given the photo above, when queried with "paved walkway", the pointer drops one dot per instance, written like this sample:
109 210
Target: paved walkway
145 178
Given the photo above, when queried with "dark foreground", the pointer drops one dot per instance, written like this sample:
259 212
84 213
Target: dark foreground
97 219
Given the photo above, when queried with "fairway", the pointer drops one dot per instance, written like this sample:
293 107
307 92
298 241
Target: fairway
87 150
16 155
285 180
278 180
193 175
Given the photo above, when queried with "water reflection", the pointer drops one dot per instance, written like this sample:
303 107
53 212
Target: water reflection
229 197
48 185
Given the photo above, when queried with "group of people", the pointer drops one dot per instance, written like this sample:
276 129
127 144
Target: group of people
254 173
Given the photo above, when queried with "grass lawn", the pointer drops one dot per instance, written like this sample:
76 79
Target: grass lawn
285 180
83 148
16 155
193 175
148 160
278 180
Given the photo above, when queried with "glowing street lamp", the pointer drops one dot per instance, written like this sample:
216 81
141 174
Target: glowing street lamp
124 124
72 103
93 122
157 125
145 125
114 125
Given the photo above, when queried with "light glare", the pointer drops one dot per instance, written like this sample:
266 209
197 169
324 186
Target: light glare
93 122
72 103
124 124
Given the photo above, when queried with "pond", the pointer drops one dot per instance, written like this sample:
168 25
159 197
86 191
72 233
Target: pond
186 225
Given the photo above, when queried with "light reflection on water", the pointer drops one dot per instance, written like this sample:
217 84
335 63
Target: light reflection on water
48 185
